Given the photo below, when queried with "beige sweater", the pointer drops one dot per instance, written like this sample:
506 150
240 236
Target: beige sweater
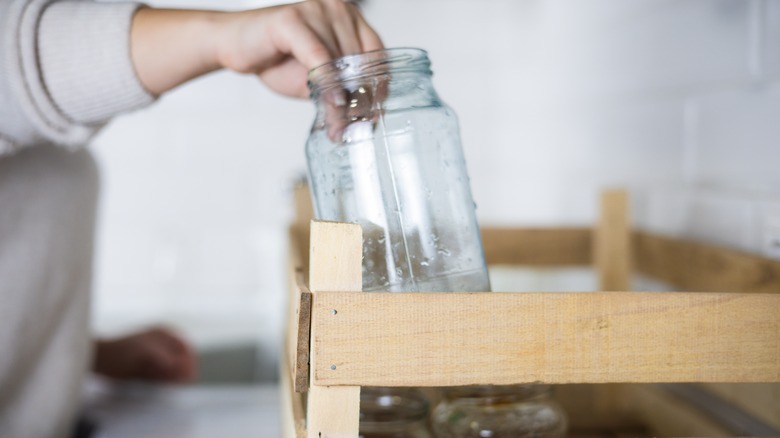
64 70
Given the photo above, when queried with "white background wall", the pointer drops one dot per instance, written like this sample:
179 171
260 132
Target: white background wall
677 100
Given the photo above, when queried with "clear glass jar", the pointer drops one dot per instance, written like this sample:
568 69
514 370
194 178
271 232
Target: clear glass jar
393 413
523 411
385 152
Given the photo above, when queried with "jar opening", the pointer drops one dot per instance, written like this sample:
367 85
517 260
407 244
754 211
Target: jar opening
364 65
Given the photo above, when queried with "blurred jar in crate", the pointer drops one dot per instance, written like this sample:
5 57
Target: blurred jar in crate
385 152
393 413
524 411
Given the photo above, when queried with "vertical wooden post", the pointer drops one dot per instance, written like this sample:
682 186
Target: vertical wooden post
612 242
304 213
335 266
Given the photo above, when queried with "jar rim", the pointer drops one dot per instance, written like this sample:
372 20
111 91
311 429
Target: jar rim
479 393
366 64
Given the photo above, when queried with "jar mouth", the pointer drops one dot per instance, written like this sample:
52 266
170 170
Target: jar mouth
367 64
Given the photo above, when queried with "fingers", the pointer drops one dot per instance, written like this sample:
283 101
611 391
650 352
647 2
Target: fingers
157 354
293 35
369 39
344 22
338 26
281 44
175 359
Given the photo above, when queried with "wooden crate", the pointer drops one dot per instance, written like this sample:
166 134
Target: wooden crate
340 338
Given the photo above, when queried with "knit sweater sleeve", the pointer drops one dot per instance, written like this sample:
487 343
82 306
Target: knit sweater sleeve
65 69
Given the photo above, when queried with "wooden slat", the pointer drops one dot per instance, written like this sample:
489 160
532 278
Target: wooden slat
666 415
298 318
336 258
443 339
696 266
537 246
612 242
300 370
293 414
301 225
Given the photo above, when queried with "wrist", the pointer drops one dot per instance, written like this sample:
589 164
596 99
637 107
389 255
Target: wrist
170 47
209 26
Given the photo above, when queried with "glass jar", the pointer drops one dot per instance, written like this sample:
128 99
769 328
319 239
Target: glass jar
523 411
385 152
393 413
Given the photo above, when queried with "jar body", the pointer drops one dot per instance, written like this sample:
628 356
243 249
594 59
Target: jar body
397 169
499 412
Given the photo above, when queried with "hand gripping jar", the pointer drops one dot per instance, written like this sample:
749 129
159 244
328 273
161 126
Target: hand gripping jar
385 152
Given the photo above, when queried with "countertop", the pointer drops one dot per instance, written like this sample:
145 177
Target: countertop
197 411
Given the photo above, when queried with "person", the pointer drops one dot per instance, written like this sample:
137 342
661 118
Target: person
66 68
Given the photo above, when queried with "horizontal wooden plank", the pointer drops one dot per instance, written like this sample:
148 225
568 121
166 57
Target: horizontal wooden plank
443 339
537 246
696 266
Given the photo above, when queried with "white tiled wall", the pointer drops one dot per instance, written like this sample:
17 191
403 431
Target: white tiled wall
677 101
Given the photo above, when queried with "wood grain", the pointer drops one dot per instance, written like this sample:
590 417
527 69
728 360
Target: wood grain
612 242
336 256
443 339
537 246
696 266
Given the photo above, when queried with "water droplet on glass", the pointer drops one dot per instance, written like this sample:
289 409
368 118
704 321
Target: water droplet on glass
444 251
424 263
399 272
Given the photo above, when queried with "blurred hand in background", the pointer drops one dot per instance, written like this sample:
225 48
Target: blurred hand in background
156 354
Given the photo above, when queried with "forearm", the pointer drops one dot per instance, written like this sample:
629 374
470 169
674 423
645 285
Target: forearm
279 44
169 47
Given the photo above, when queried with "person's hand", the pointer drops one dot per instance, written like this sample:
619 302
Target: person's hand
155 355
280 44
